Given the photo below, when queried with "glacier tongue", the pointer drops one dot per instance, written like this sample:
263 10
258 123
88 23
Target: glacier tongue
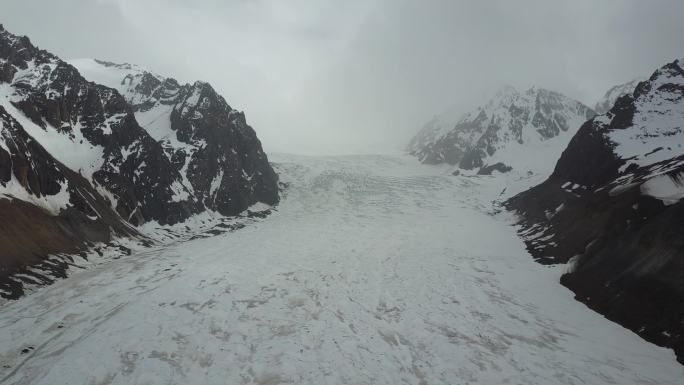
373 270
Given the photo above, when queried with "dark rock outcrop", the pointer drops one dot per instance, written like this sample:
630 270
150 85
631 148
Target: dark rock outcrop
126 161
77 167
489 169
45 208
217 153
613 209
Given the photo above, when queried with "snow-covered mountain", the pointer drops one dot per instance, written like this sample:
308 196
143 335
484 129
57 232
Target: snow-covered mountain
91 129
218 155
82 162
519 130
613 206
608 100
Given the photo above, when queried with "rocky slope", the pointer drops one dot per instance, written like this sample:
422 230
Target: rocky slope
613 208
45 208
92 130
518 130
218 155
77 167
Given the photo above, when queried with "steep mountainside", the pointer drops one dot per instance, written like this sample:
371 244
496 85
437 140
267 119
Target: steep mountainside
77 167
218 155
611 96
45 208
92 130
613 207
519 130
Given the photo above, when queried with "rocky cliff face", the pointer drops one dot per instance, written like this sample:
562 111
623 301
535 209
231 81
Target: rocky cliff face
217 154
82 162
45 208
613 209
93 131
519 130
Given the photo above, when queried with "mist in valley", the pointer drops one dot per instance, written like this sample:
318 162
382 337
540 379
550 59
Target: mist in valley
330 77
373 192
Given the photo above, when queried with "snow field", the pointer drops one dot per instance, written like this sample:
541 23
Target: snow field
373 270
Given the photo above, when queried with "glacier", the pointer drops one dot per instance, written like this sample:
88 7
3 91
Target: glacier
372 270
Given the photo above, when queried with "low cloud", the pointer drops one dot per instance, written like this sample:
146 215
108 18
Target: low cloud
337 77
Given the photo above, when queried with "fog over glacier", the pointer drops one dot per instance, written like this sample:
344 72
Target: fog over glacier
448 192
331 77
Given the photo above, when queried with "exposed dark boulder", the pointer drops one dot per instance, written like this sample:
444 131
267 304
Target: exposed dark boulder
489 169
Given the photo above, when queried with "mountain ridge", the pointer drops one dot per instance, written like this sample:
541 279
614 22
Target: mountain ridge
613 207
510 123
78 169
199 131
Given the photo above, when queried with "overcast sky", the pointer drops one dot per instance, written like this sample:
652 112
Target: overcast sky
349 76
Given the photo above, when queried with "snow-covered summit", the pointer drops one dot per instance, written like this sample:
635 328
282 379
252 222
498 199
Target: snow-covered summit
639 135
657 117
217 153
525 130
609 98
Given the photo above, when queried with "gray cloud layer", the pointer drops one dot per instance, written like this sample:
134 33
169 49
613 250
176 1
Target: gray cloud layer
317 76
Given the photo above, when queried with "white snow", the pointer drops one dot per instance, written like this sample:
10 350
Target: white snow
215 184
156 120
657 133
180 192
534 151
74 151
669 189
614 93
110 76
372 270
53 204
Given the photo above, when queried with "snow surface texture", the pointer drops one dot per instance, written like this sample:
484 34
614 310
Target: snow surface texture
374 270
520 129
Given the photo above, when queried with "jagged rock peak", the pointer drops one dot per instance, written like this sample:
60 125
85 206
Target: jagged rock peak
503 130
641 129
613 207
216 151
